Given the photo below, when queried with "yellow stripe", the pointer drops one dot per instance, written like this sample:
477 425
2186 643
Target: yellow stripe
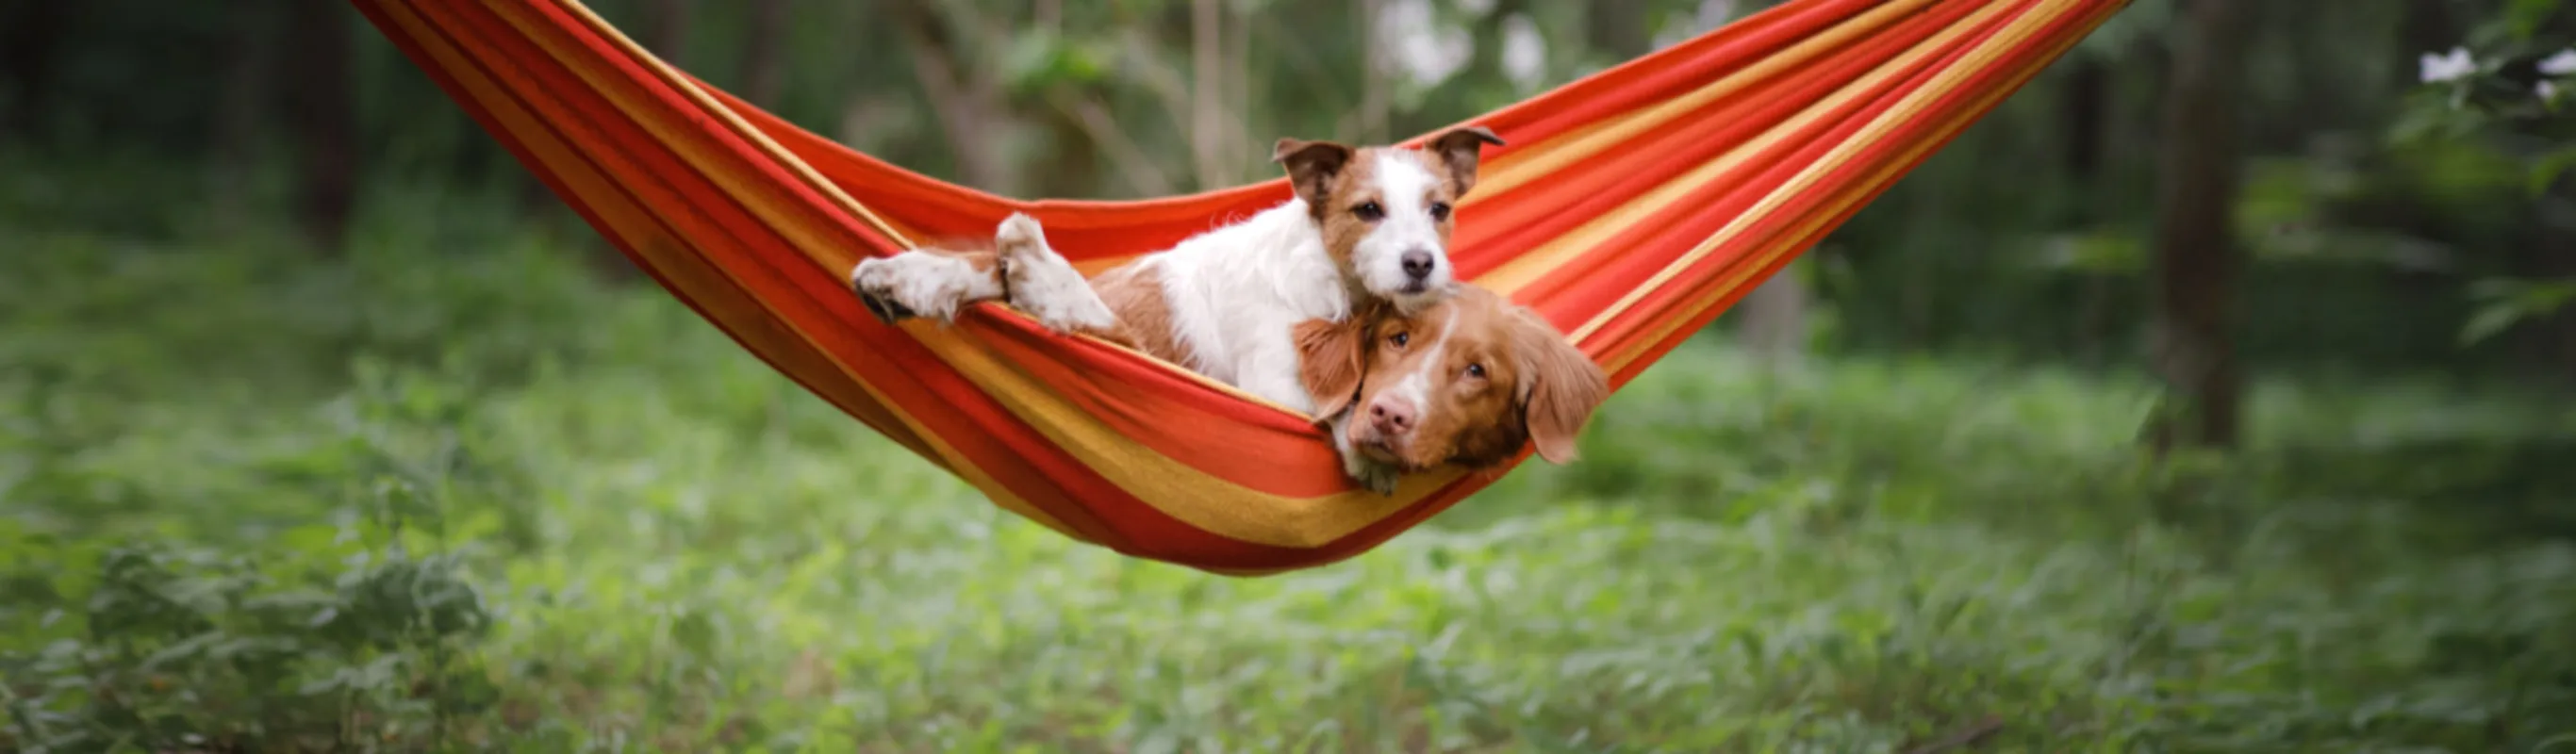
1551 256
1667 323
1207 502
1914 102
1519 166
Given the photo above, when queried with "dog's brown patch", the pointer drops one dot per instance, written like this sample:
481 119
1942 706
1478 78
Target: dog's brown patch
984 261
1339 213
978 251
1134 292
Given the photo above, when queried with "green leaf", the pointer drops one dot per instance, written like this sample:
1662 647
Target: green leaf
2487 322
2545 170
2511 301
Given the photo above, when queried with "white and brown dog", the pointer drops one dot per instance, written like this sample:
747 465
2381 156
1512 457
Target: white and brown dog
1367 226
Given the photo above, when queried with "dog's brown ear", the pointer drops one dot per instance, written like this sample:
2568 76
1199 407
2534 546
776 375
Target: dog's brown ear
1332 358
1459 150
1312 166
1560 390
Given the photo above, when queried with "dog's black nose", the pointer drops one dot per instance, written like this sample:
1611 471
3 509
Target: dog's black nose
1417 264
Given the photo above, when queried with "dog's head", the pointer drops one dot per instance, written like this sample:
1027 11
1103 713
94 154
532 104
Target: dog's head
1465 381
1385 211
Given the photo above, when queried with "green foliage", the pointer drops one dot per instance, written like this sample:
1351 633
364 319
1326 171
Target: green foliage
2505 302
502 506
318 636
2503 89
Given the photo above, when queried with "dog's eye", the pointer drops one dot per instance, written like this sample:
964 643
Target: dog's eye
1476 370
1369 211
1439 211
1399 339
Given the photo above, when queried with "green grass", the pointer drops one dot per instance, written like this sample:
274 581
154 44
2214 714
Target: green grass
452 494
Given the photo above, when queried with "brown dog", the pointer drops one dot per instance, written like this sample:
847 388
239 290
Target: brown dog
1465 382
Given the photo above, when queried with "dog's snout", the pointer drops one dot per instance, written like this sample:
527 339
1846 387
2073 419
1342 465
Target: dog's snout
1391 416
1417 264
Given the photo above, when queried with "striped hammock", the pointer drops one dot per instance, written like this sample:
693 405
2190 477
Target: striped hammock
1630 208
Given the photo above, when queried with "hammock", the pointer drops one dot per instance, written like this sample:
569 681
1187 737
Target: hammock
1629 209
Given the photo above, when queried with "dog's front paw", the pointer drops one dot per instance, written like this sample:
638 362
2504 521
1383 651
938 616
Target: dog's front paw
1020 233
874 282
917 284
1044 284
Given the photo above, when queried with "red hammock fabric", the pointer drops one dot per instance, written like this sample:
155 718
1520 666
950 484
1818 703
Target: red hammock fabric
1630 208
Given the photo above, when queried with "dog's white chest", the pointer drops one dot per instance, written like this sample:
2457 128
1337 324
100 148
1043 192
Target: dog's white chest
1238 293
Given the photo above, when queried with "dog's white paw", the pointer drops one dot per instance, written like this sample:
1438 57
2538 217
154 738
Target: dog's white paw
918 284
874 281
1044 284
1019 231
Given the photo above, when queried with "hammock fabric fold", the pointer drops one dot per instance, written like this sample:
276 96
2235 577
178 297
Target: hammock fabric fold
1630 208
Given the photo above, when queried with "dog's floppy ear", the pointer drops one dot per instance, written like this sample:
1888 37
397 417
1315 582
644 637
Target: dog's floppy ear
1560 389
1312 166
1331 359
1459 150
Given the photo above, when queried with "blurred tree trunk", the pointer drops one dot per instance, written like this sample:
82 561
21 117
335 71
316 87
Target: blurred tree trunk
240 110
764 53
967 102
2564 319
1244 150
1375 109
1775 316
2086 103
2195 255
325 118
1208 131
32 30
2550 339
